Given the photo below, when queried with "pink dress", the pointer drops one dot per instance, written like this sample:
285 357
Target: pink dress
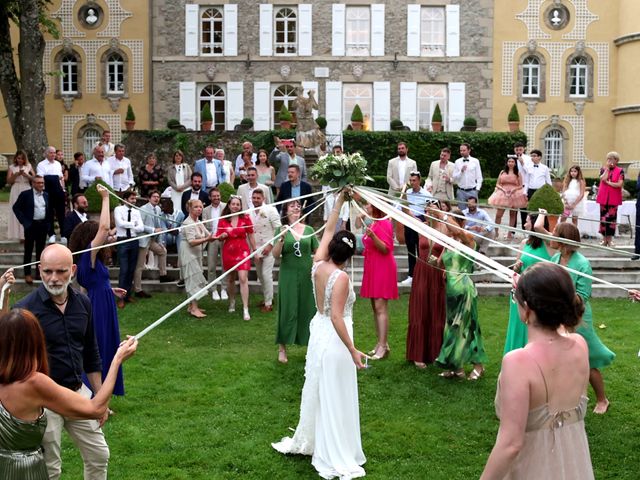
380 277
236 247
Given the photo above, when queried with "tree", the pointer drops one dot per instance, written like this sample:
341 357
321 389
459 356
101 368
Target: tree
24 95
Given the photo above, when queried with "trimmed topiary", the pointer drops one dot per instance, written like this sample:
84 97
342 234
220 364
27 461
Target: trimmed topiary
513 116
547 198
356 115
246 122
205 115
470 122
321 122
131 117
285 114
437 114
173 123
396 124
226 190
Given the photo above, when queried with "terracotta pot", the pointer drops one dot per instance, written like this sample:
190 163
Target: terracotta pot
436 126
514 126
129 124
356 125
205 126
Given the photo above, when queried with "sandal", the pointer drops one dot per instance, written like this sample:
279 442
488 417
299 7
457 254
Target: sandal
475 374
282 356
452 374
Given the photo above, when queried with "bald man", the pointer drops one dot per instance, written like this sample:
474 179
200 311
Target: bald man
65 316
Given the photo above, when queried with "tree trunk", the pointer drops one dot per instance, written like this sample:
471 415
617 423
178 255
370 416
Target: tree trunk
9 83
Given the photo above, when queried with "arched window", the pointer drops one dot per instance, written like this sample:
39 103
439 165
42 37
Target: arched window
432 31
214 95
579 77
286 31
357 93
430 95
531 77
282 95
90 137
69 74
554 148
211 32
115 74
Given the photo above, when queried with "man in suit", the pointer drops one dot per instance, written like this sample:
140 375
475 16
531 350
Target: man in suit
195 192
32 211
398 170
440 179
150 214
245 191
75 174
210 169
294 188
210 214
51 170
266 220
284 155
76 216
467 175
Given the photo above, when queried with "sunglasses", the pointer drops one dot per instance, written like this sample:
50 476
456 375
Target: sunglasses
296 249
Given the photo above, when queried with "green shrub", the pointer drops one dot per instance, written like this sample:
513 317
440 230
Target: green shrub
356 115
226 190
95 200
131 117
205 115
284 115
173 123
396 124
247 122
437 114
547 198
470 122
321 122
513 116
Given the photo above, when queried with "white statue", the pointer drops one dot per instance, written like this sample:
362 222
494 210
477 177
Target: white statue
556 20
91 17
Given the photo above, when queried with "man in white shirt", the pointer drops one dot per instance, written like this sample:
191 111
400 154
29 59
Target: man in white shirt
524 164
245 191
97 169
105 143
265 220
246 147
467 175
210 214
51 170
416 198
121 173
128 226
483 230
398 170
440 180
537 174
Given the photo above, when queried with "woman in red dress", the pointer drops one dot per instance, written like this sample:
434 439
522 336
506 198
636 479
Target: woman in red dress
237 233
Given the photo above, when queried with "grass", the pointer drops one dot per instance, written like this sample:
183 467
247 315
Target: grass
206 397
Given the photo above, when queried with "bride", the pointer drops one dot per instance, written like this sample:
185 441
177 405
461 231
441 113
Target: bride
329 426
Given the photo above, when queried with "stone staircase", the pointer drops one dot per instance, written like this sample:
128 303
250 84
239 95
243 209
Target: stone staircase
608 266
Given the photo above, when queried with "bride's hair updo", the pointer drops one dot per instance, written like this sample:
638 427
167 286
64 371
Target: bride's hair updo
342 247
547 289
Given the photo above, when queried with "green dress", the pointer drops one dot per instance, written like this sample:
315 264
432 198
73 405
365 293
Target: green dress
462 341
21 456
296 305
599 355
516 330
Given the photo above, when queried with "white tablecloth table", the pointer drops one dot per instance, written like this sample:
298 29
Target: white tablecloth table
590 224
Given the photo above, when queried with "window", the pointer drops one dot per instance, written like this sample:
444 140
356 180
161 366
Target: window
213 95
69 78
90 137
211 31
358 31
578 74
432 31
286 32
282 95
428 96
115 74
531 77
361 94
553 148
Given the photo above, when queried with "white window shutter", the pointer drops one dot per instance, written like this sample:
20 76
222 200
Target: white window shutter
377 30
312 86
305 45
188 104
409 104
338 24
456 106
234 104
191 21
230 30
266 30
453 30
261 106
381 106
333 107
413 30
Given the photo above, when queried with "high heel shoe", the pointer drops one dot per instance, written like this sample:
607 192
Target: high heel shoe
476 374
380 356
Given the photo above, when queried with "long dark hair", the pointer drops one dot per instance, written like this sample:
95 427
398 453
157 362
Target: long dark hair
83 235
227 208
533 240
505 169
262 150
23 349
285 211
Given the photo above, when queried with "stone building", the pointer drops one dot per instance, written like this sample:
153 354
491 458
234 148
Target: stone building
99 65
395 59
571 67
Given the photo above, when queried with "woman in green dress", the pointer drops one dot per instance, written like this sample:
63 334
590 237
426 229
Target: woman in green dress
462 340
297 307
568 256
517 330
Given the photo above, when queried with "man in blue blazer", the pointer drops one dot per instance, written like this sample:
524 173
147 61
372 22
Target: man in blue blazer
196 191
33 212
293 188
210 169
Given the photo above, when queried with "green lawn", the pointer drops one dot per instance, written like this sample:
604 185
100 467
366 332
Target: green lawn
206 397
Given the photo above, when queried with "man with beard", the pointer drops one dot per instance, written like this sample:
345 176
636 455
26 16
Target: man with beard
76 216
65 316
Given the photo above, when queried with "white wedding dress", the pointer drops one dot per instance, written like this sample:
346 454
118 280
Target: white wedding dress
329 426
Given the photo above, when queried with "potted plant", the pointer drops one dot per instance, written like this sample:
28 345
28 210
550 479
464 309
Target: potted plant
246 123
130 119
321 122
436 119
469 124
206 119
174 124
514 119
396 124
285 117
557 177
357 118
546 197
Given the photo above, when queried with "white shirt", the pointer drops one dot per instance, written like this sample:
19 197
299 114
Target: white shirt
215 214
39 206
81 216
121 215
45 167
471 177
240 162
93 168
523 168
195 195
402 169
212 174
121 181
538 175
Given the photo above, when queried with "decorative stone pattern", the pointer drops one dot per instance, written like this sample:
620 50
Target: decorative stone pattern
117 15
583 18
508 52
602 49
531 18
65 15
556 51
70 121
136 64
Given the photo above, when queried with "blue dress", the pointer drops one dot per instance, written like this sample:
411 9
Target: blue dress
104 312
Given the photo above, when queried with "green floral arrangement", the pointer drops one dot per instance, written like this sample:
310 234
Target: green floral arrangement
340 170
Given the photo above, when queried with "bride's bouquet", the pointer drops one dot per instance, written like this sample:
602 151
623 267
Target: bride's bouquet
340 170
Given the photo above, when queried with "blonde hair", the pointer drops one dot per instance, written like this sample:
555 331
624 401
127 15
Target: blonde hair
615 155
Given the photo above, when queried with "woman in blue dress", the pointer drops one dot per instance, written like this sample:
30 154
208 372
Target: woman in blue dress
93 276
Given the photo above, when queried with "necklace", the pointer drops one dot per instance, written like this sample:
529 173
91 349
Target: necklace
61 303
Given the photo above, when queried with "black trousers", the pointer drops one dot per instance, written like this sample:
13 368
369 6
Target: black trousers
36 235
411 239
57 205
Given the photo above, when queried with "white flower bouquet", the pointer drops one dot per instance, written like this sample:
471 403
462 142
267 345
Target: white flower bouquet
340 170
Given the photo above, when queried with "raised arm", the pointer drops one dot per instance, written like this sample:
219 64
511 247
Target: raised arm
322 253
105 224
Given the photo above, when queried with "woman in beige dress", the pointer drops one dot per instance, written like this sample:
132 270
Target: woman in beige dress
19 176
541 399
